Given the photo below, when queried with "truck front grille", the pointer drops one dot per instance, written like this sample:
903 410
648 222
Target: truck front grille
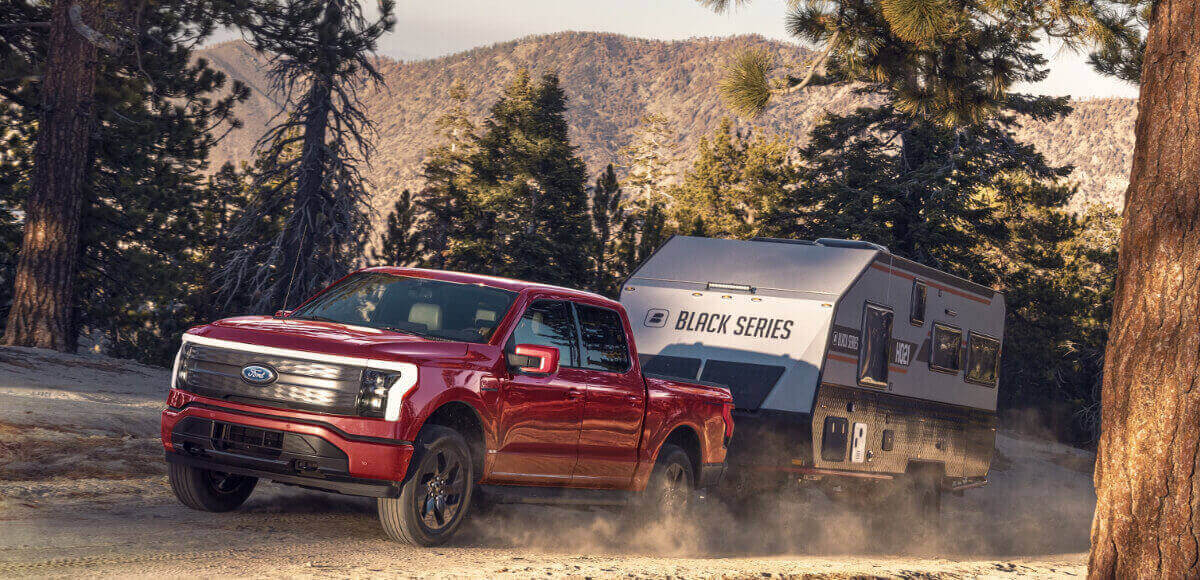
300 384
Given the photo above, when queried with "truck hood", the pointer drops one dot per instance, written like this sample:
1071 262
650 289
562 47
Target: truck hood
329 338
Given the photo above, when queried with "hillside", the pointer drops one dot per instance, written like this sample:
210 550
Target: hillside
613 81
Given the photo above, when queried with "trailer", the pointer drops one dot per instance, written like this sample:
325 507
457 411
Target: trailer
848 365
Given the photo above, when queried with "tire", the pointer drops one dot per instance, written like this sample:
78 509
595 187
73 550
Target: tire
207 490
668 494
436 496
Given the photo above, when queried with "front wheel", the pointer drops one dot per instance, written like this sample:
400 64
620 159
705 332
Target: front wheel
207 490
435 498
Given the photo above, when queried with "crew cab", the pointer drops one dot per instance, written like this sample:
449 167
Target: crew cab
433 391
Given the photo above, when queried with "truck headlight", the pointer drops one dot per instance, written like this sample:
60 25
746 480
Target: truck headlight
382 392
179 378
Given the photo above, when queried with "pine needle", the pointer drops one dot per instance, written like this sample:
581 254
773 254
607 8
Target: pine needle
744 87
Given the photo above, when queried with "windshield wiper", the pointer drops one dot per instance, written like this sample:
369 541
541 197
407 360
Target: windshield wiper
318 319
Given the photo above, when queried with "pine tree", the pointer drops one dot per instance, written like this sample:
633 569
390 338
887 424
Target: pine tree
155 112
400 245
442 202
41 314
320 57
733 180
608 220
951 63
648 161
1147 511
526 191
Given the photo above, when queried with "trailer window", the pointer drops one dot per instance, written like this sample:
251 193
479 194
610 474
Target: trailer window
983 359
873 349
679 367
946 346
748 382
916 311
603 337
548 323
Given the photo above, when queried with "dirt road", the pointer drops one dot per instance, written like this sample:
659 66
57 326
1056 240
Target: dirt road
82 491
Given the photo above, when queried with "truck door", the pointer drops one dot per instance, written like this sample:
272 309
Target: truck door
540 415
614 404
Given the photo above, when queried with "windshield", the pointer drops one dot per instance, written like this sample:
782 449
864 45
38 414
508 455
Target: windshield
429 308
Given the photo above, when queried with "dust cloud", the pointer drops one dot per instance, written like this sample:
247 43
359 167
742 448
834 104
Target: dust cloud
1039 502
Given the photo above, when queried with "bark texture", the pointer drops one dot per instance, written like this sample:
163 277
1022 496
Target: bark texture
1147 521
43 297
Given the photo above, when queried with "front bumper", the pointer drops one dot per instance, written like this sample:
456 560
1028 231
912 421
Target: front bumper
308 449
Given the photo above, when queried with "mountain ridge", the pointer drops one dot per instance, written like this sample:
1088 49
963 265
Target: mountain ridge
612 81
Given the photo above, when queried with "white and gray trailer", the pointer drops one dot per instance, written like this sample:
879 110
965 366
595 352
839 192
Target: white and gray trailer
843 359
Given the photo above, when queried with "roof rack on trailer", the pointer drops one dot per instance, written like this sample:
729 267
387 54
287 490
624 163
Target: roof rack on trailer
828 242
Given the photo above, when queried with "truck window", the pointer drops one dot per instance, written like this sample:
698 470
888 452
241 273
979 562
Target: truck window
873 350
679 367
748 382
916 310
983 359
603 336
946 346
549 323
421 306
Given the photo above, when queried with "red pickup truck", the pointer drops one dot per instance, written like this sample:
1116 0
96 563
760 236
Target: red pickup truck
430 390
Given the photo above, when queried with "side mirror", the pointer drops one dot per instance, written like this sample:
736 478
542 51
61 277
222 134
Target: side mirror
535 359
283 313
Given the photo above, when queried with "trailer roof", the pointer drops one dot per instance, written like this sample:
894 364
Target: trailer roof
790 265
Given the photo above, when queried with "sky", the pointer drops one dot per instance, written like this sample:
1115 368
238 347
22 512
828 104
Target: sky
429 29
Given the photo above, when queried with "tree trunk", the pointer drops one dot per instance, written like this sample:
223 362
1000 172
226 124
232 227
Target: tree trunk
43 292
1147 521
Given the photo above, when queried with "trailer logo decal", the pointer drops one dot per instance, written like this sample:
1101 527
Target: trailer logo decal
657 317
844 340
748 326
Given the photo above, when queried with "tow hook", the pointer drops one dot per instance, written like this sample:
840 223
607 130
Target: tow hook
305 466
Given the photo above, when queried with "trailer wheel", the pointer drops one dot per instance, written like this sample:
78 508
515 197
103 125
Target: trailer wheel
207 490
437 494
669 492
926 493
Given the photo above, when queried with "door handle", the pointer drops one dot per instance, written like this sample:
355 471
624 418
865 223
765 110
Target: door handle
574 394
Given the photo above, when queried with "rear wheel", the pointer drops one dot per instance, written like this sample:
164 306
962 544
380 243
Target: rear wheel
207 490
436 496
669 492
925 492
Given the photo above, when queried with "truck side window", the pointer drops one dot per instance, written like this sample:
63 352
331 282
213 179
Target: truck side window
916 310
947 344
548 323
603 335
873 350
983 359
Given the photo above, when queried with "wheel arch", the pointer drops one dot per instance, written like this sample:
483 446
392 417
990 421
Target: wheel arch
466 420
688 438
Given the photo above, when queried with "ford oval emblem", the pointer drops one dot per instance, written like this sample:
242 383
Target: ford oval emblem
258 374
